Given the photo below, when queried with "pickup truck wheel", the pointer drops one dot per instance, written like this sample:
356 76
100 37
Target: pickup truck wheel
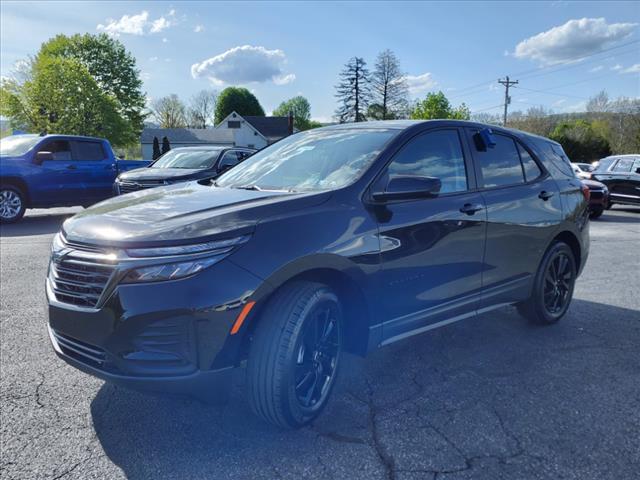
294 358
12 205
553 286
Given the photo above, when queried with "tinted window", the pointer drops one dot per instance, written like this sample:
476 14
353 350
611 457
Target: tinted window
229 159
531 168
59 148
623 165
500 165
436 154
89 151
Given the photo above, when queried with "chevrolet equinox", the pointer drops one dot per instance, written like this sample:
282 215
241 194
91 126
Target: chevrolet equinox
338 239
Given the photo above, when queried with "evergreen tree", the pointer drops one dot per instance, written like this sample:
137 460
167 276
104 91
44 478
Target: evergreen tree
353 92
156 148
166 146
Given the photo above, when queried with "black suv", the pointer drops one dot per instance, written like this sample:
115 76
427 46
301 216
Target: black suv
621 175
344 238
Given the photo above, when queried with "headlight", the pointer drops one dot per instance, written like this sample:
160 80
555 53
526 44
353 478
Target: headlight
216 247
169 271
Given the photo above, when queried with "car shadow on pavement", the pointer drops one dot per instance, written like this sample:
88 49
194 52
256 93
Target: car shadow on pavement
489 393
35 225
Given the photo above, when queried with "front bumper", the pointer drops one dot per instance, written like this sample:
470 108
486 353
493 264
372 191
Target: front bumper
165 337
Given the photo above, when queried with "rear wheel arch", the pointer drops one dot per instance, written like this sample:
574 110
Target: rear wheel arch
571 240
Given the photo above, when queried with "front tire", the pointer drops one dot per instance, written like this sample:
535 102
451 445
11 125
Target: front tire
12 204
294 358
553 286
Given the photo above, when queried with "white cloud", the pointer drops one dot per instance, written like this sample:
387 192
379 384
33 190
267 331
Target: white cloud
159 25
616 67
242 65
198 28
153 59
165 40
596 69
130 24
573 41
420 83
635 68
137 24
145 76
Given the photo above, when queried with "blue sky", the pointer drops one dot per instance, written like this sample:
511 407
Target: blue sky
282 49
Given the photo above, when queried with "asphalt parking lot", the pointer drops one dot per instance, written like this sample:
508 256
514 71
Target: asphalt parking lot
492 397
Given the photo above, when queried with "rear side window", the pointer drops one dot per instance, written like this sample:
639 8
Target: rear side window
500 165
624 165
88 151
529 165
436 154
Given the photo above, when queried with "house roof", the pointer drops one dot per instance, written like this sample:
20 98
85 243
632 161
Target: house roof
272 128
188 135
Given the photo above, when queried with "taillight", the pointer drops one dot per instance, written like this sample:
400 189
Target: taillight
586 192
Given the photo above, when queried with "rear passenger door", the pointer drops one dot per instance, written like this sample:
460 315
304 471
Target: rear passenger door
524 210
96 170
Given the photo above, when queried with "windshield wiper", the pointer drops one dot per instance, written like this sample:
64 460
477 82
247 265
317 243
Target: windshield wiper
249 187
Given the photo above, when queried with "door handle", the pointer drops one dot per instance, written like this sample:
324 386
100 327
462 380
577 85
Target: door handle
545 195
471 208
71 167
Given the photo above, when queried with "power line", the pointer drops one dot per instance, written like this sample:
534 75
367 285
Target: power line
507 99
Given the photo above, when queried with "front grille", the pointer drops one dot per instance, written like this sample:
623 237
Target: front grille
128 187
80 350
80 276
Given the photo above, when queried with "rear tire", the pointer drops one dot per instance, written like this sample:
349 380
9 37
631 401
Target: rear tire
596 213
553 286
12 204
294 358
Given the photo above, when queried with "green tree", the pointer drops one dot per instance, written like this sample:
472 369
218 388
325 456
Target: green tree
112 67
299 107
166 146
237 99
581 141
63 97
437 105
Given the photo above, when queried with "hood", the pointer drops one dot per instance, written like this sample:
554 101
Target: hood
592 184
178 214
142 174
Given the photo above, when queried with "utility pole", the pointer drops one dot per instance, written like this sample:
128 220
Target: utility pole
507 99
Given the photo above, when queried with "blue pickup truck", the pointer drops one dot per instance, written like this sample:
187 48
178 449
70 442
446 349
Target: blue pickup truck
42 171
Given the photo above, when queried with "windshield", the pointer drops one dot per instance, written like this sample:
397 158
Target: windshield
313 160
18 144
187 159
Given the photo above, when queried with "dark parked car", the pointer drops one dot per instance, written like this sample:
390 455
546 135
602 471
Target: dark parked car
344 238
598 198
182 165
43 171
621 175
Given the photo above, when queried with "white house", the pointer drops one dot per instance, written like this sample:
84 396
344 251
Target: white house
234 130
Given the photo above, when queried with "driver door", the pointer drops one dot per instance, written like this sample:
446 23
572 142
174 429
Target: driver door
58 181
432 248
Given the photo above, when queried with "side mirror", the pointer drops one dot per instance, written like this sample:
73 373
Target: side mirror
409 187
638 170
42 157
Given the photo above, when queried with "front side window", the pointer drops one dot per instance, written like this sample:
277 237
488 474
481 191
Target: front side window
89 151
435 154
321 159
228 160
60 149
190 159
500 165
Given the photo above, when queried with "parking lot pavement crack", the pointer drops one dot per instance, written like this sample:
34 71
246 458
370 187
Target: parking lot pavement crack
386 459
37 393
